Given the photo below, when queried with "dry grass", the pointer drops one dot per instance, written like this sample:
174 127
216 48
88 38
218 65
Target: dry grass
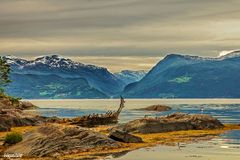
21 130
169 138
102 129
18 129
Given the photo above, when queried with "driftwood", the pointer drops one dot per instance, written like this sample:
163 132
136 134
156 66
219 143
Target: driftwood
110 117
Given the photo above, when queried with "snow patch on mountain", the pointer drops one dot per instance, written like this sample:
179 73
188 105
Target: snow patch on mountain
52 61
129 76
229 54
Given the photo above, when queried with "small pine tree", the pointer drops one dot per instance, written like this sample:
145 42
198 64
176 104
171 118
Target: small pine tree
4 73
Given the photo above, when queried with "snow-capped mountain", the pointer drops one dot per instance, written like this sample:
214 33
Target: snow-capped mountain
96 77
52 61
229 54
180 76
129 76
15 61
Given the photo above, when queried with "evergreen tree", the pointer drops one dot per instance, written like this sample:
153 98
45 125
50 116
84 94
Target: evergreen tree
4 73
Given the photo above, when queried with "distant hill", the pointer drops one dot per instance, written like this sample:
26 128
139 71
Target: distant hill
32 86
128 76
182 76
57 77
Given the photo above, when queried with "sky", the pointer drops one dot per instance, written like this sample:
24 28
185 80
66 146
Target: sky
110 32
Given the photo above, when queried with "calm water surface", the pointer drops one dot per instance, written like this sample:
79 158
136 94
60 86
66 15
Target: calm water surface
225 147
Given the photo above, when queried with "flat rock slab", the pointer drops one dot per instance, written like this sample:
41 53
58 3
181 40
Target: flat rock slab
173 122
52 140
124 137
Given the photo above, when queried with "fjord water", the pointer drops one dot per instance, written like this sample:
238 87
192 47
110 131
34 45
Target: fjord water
226 146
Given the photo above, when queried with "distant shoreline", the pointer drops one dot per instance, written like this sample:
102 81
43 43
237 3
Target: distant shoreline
165 101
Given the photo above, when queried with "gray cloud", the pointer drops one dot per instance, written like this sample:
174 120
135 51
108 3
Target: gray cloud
118 28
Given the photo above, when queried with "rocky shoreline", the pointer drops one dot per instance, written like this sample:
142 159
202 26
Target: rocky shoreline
7 102
170 123
57 138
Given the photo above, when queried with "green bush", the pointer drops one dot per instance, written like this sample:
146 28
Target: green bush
13 138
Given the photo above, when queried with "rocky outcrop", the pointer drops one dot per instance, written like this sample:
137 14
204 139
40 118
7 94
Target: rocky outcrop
15 118
25 105
173 122
121 136
158 108
12 103
56 140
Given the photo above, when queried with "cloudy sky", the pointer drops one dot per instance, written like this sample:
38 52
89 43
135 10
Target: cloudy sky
104 31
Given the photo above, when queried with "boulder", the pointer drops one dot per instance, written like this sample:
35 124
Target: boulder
173 122
158 108
121 136
51 139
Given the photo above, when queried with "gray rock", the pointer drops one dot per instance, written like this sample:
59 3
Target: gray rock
173 122
25 105
51 139
16 118
10 103
121 136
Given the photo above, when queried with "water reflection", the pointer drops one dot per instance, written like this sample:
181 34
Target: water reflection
219 148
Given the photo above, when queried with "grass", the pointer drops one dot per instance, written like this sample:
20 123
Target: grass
169 138
182 79
21 130
43 93
13 138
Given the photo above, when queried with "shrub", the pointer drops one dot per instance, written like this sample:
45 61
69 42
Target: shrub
13 138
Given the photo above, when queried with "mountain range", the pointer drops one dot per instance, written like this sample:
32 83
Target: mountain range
128 76
183 76
175 76
57 77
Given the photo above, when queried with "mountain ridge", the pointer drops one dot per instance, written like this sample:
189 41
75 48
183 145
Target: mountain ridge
97 77
180 76
175 76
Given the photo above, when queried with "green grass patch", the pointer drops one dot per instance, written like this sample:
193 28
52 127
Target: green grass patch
13 138
44 93
78 93
182 79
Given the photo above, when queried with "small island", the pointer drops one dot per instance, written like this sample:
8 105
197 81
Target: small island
157 108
